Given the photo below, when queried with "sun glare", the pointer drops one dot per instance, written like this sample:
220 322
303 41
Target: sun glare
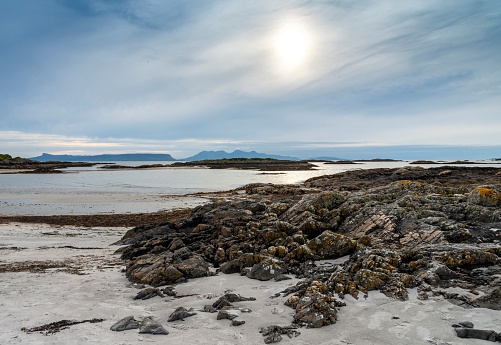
292 45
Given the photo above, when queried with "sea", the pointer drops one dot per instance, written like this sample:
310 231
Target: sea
87 190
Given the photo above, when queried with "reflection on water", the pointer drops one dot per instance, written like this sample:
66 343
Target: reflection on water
94 190
168 180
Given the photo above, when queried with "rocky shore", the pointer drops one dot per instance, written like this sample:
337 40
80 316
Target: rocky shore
260 164
437 230
26 166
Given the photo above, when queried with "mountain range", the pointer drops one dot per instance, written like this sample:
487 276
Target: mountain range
204 155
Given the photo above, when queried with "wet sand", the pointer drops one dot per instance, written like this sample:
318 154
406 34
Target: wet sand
88 203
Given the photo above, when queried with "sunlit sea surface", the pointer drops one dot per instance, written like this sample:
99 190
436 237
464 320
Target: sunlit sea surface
95 190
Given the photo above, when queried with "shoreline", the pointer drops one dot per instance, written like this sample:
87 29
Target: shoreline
38 203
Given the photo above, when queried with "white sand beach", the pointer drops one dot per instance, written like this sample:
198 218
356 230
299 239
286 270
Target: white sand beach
83 202
86 281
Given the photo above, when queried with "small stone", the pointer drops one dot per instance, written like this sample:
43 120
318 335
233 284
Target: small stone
266 270
209 309
224 314
273 338
180 314
126 323
477 333
169 291
233 297
152 327
221 303
237 323
148 293
466 324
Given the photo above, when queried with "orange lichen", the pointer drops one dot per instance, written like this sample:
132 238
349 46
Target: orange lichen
486 191
406 183
488 196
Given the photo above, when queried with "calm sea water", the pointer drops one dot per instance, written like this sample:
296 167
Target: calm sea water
95 190
169 180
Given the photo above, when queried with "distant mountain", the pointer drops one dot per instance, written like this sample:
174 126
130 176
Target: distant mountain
46 157
204 155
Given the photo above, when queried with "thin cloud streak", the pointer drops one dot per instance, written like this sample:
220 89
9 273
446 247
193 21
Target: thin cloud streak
410 73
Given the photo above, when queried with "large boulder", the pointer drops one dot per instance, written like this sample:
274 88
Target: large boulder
329 245
161 270
315 307
266 270
486 196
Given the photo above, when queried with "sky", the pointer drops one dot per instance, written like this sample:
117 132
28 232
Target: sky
366 78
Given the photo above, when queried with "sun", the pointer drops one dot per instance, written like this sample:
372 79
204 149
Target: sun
292 45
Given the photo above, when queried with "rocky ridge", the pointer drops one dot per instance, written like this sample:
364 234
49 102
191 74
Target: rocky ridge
433 229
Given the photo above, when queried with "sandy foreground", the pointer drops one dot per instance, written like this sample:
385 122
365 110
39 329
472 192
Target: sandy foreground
50 273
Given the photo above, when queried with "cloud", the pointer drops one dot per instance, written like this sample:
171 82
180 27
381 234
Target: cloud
406 73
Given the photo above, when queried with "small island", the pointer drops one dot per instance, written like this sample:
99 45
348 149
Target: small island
341 162
463 162
261 164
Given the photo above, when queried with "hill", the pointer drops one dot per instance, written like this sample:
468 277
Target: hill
46 157
214 155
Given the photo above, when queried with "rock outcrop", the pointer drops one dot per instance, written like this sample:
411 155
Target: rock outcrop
408 227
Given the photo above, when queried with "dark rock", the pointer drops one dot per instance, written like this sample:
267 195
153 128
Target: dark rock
273 338
176 244
486 196
315 308
444 272
237 322
194 267
169 291
466 324
148 293
243 310
434 229
161 270
233 297
180 314
273 333
491 298
126 323
221 303
181 254
477 334
152 327
230 267
266 270
329 245
209 309
224 314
